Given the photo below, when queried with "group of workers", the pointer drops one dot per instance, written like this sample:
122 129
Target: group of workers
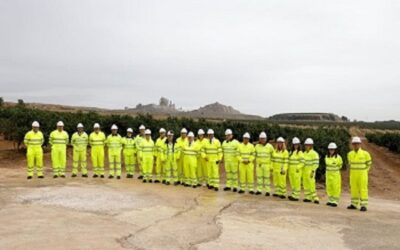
195 161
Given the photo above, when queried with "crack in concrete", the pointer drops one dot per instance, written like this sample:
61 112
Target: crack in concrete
125 241
218 225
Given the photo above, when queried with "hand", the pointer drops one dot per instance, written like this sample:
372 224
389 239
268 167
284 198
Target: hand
283 172
312 174
217 162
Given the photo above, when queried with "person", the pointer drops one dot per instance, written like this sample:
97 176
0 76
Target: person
280 161
263 156
33 141
79 141
190 153
129 152
201 163
146 156
212 153
245 157
159 163
169 158
138 140
333 179
59 140
311 164
114 146
97 140
180 144
229 151
360 162
296 164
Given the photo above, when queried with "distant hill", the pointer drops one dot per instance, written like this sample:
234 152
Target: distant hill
218 110
308 117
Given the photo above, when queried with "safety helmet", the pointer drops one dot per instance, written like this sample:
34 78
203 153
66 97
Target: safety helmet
296 140
96 125
60 124
263 135
200 132
246 135
80 125
228 132
210 131
35 124
129 130
114 127
147 132
280 139
332 145
356 140
162 130
309 141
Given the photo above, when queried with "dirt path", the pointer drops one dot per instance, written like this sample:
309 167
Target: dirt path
385 172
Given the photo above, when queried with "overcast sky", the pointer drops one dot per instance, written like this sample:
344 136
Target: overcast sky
261 57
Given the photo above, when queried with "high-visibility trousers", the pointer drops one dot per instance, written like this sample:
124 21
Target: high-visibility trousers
97 156
359 187
246 176
79 159
231 173
263 172
310 192
279 180
180 164
171 171
333 183
295 181
34 156
201 170
190 170
159 169
114 160
213 173
129 161
147 167
59 160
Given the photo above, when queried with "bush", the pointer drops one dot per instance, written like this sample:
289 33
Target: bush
388 140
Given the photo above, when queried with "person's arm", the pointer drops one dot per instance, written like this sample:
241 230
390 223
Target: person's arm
219 148
368 161
340 162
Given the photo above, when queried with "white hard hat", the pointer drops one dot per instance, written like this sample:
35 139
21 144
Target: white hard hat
96 125
356 139
309 141
332 145
183 131
142 127
114 127
200 132
210 131
80 125
35 124
228 132
170 133
296 140
129 130
60 124
263 135
190 134
246 135
147 132
162 130
280 139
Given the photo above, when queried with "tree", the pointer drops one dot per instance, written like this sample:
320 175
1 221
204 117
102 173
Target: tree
21 102
1 101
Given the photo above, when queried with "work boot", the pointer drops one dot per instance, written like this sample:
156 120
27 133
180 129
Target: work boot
73 175
333 205
140 177
118 177
227 189
210 187
102 176
29 177
199 185
234 190
363 209
55 176
156 181
351 207
316 202
275 195
306 200
194 186
176 183
40 176
95 176
144 181
241 192
267 194
62 176
329 204
110 177
291 198
282 197
129 176
251 192
216 189
84 175
164 181
167 183
258 193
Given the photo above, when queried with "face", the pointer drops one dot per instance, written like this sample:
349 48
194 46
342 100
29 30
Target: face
296 146
228 137
162 135
246 140
356 146
201 137
210 136
80 130
170 138
35 129
331 151
308 147
59 128
114 131
183 135
129 134
263 140
147 137
141 131
191 138
97 130
280 145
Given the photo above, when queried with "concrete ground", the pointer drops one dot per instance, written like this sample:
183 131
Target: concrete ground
116 214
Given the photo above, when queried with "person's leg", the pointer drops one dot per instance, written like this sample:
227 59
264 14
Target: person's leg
30 162
39 161
242 176
364 188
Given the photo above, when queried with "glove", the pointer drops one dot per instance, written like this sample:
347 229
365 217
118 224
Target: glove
283 172
312 174
217 162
